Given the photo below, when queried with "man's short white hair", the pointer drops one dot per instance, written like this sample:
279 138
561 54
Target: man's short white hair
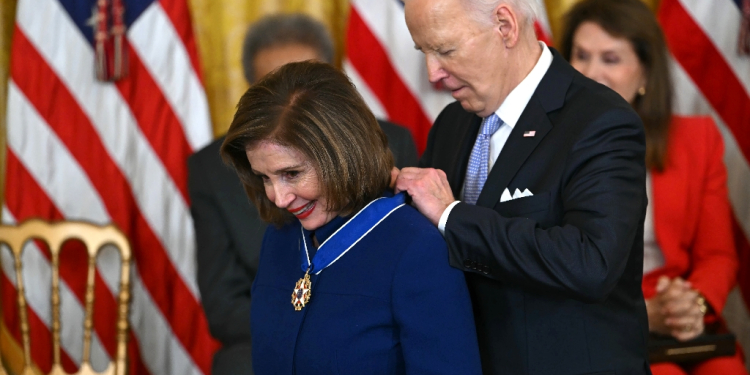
482 9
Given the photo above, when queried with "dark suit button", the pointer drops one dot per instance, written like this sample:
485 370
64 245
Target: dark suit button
486 270
467 263
474 265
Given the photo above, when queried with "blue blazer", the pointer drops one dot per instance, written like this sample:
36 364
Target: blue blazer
391 305
229 234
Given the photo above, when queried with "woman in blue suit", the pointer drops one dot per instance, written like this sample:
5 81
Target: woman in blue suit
351 280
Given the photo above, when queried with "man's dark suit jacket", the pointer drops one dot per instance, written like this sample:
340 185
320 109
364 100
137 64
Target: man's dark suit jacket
555 278
229 233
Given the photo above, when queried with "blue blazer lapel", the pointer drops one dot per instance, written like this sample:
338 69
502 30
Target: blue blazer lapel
549 96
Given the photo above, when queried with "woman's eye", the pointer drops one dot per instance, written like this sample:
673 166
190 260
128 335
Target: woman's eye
292 174
611 60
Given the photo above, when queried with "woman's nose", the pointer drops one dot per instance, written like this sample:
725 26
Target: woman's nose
594 71
280 195
584 67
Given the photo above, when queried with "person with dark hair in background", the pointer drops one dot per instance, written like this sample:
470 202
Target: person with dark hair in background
228 229
278 39
549 169
690 263
374 292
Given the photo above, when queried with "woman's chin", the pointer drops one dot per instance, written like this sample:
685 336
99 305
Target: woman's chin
310 226
316 221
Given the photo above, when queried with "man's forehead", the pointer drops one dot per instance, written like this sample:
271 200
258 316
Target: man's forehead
438 23
432 9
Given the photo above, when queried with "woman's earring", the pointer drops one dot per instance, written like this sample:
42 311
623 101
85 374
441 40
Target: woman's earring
642 91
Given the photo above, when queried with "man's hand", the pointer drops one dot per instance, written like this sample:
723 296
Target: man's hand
394 174
429 190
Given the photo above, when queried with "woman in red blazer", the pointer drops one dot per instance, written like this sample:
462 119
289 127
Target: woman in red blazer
692 216
690 261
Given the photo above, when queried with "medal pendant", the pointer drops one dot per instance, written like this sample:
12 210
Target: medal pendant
301 293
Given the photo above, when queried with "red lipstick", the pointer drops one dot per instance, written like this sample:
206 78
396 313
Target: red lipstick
303 211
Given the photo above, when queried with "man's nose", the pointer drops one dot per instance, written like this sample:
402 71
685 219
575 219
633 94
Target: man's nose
435 71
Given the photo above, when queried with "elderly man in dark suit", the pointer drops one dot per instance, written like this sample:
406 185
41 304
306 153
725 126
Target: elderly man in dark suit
228 229
549 169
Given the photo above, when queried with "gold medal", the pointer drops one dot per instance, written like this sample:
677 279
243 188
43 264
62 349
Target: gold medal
301 293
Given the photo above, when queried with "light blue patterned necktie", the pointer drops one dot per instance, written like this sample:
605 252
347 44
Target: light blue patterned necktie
476 173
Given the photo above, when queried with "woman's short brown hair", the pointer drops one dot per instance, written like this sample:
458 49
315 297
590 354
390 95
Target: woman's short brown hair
313 108
634 21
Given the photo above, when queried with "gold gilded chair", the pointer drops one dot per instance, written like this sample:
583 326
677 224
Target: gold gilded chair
94 237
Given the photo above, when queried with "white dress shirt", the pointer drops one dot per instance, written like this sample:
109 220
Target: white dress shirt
509 112
653 258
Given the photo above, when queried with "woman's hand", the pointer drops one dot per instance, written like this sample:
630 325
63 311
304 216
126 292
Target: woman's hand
677 309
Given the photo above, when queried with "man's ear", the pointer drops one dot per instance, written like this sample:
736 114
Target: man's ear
507 24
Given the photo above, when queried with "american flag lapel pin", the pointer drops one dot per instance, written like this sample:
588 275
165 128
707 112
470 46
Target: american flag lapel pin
529 133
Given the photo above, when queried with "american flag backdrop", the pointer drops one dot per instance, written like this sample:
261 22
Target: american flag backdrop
80 148
712 76
389 73
109 151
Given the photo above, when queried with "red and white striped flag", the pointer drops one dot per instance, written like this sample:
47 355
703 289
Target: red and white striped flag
389 73
712 76
541 26
80 148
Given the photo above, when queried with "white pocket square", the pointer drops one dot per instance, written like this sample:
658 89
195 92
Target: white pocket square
517 194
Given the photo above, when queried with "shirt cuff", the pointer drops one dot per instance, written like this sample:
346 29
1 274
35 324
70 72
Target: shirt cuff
444 217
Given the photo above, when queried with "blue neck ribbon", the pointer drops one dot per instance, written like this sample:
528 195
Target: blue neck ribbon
341 241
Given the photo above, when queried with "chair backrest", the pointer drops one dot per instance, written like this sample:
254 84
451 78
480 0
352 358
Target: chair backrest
94 237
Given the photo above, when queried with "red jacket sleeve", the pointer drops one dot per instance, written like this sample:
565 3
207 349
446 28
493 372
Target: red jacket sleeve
713 257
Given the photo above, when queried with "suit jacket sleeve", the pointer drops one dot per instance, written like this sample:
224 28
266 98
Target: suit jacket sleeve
713 257
583 251
223 282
